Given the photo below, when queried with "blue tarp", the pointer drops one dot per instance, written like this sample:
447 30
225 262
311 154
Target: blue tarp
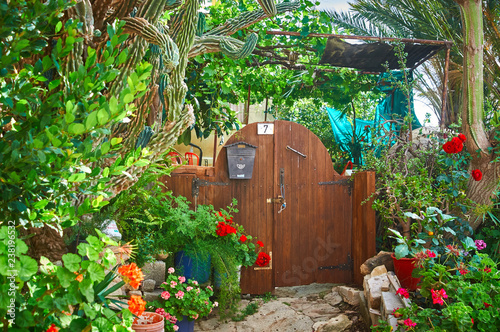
393 106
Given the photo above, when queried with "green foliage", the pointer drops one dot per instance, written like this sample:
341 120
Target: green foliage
411 180
249 310
48 294
471 283
55 121
215 80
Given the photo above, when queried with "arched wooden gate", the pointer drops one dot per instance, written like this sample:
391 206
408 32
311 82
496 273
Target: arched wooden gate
309 239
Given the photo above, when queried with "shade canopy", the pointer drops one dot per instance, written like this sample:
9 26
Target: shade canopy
371 57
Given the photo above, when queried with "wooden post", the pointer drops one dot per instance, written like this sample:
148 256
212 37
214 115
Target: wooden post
363 222
445 88
246 114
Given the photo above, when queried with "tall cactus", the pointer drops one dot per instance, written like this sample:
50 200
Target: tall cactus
163 109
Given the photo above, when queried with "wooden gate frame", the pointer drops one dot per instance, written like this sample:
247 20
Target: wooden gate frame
363 223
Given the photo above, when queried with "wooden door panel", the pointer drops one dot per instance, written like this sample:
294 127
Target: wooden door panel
312 235
255 214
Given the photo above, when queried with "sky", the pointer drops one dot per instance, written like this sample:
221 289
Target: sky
339 5
421 108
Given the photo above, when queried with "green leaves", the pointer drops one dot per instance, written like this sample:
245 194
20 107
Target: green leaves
72 262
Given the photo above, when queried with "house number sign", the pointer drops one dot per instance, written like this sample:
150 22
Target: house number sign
265 128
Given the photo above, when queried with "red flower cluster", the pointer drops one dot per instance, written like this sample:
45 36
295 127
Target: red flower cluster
477 174
263 259
438 296
403 292
243 238
455 145
52 328
224 229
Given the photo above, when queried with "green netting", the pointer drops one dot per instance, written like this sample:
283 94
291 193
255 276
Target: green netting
393 106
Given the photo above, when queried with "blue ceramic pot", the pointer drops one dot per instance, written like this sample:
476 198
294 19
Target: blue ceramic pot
192 267
185 325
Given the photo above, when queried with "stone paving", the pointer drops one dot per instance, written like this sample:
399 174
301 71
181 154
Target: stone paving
315 307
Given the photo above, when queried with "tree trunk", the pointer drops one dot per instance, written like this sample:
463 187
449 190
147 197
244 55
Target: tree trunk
472 109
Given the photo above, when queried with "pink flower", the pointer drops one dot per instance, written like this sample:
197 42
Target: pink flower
195 316
182 279
189 288
197 291
173 284
171 270
210 287
176 328
438 296
179 295
403 292
195 282
165 295
216 304
408 322
430 254
480 244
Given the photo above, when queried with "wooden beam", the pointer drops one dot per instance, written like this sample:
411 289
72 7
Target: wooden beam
328 35
445 88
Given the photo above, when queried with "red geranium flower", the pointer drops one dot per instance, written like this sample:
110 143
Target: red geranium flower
263 259
438 296
260 243
477 175
430 254
487 305
52 328
462 137
487 270
403 292
243 238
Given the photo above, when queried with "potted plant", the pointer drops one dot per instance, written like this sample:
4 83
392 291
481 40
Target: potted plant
405 260
182 302
149 322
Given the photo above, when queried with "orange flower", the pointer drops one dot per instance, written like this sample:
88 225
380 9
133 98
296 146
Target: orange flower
52 328
131 274
136 305
79 277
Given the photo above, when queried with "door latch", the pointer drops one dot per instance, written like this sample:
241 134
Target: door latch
279 200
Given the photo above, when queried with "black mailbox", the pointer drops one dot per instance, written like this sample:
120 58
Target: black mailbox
240 160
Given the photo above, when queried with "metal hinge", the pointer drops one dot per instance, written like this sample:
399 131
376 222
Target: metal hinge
197 183
342 267
343 182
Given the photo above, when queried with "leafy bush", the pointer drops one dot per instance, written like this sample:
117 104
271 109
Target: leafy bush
56 148
73 296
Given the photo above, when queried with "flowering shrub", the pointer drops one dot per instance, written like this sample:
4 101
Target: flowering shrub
182 298
460 291
71 297
231 234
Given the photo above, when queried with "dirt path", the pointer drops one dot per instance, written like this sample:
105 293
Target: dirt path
315 307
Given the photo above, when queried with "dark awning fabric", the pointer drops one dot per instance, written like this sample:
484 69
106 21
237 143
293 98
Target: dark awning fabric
370 57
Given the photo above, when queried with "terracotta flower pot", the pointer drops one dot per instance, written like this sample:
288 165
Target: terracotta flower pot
149 322
403 268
